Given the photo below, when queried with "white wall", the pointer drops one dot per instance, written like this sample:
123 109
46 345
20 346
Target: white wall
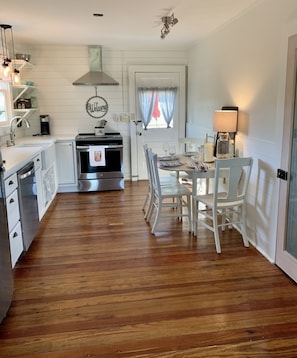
56 67
243 64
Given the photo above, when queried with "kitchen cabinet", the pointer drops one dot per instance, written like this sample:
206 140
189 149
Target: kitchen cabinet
38 176
13 216
44 157
48 177
66 165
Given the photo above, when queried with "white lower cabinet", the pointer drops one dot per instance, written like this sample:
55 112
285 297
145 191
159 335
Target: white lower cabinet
46 189
47 177
49 185
16 243
13 217
66 165
38 176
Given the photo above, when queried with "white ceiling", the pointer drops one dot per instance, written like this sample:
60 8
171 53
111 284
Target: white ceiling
125 23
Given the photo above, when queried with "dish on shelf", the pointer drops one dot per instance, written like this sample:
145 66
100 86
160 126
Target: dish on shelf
23 56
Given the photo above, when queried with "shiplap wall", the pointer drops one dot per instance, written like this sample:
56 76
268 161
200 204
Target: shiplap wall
55 69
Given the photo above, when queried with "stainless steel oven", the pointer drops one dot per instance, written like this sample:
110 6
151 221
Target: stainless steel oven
99 162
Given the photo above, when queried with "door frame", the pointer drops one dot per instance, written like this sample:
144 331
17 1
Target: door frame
132 70
283 259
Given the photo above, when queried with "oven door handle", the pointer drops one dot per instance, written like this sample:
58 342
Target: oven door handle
87 147
82 147
113 146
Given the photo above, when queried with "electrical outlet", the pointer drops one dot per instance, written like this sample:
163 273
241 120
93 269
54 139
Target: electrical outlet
125 118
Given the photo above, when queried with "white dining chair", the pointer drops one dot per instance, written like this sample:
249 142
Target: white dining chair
227 203
147 205
180 204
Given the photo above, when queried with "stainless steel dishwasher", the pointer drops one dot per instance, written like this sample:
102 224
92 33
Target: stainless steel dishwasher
28 203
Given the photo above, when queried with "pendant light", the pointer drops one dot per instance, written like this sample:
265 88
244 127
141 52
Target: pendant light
7 73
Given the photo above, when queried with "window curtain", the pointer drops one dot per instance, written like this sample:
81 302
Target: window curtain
146 99
167 97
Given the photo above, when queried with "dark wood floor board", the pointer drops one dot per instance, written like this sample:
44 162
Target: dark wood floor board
97 283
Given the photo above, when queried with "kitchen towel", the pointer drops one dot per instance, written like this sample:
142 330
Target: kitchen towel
97 156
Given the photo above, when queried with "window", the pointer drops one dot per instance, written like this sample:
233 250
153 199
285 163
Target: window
157 106
4 103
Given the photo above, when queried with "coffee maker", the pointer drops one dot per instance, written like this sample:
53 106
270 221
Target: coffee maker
44 124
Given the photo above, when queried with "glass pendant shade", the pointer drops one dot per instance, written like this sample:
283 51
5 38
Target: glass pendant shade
8 69
16 77
5 71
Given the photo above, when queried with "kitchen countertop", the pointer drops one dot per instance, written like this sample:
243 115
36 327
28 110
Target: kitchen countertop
25 149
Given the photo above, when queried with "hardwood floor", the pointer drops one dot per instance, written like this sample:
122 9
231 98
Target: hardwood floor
96 283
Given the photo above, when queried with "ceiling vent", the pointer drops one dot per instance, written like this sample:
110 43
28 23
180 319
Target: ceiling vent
95 77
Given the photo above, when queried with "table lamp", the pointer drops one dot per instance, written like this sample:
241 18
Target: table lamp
224 123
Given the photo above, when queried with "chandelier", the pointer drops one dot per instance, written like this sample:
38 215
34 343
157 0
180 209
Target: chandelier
8 70
168 21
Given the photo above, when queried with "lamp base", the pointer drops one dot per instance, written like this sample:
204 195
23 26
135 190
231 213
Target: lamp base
223 146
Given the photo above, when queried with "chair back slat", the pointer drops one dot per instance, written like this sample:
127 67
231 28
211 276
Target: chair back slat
236 172
153 167
146 150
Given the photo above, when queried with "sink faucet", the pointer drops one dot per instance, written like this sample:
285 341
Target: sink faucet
18 120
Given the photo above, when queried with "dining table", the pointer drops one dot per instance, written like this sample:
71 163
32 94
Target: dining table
195 169
190 164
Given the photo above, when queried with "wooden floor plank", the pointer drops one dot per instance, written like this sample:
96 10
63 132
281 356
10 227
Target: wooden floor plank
97 283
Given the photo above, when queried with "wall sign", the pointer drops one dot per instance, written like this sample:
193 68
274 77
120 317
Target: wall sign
96 106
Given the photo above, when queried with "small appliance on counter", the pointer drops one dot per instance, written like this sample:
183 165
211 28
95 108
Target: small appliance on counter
100 129
44 124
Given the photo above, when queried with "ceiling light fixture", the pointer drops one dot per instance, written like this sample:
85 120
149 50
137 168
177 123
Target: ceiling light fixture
168 22
6 69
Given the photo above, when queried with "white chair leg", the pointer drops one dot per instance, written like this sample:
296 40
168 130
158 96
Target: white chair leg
189 213
149 209
216 233
243 227
223 214
194 215
157 218
145 202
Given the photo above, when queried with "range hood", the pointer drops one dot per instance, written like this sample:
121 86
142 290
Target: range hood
95 77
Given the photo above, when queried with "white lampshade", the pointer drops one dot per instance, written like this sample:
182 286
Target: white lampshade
225 121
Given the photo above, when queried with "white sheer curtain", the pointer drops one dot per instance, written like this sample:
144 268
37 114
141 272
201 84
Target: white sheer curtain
146 99
167 97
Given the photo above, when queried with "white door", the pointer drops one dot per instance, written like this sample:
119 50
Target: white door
286 251
154 136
